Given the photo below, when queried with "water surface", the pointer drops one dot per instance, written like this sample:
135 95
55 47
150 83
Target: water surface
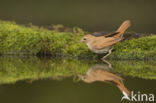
46 80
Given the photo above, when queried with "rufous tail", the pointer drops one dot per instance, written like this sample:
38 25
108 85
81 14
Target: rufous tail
122 87
124 26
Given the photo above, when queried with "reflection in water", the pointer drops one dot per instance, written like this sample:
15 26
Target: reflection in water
102 72
13 69
43 90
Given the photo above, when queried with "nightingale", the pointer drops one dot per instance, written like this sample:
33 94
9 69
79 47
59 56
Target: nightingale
102 73
104 44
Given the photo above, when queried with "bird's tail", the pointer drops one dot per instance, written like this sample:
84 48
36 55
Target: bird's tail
124 26
122 87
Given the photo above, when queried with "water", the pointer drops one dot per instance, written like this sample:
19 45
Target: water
68 80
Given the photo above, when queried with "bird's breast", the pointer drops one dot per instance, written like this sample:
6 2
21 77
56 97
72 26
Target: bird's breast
99 51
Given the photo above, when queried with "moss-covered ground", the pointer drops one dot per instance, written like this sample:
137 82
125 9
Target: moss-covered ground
33 40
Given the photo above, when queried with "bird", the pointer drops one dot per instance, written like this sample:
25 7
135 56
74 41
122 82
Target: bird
104 44
102 73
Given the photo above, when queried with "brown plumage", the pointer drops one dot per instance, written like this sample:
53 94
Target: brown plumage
100 73
104 44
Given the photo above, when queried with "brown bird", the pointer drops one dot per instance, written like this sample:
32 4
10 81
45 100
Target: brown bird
100 72
104 44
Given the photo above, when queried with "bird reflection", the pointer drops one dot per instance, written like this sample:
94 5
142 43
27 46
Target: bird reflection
102 72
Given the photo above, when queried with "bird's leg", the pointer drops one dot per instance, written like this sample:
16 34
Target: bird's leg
109 52
109 64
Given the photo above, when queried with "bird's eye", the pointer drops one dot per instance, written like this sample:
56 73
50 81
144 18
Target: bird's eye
84 77
84 38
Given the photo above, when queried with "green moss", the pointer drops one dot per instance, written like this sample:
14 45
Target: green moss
140 69
13 69
21 40
17 39
141 48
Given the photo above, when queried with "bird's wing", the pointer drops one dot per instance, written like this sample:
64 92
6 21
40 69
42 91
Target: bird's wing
103 43
105 34
111 34
111 76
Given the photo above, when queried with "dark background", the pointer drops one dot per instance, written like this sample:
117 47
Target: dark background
90 15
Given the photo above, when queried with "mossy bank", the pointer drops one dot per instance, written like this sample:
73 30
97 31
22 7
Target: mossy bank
32 40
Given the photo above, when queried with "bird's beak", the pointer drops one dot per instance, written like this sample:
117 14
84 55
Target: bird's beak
80 76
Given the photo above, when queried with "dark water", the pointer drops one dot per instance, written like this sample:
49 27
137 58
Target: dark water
57 80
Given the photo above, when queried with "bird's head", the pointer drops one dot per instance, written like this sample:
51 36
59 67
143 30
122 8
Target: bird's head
85 78
87 38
